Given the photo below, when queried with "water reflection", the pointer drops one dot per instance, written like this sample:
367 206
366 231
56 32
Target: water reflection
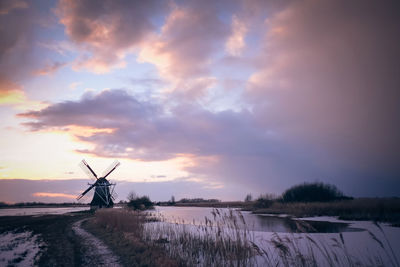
286 224
39 211
254 222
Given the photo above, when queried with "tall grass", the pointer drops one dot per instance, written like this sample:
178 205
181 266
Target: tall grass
225 240
123 231
220 241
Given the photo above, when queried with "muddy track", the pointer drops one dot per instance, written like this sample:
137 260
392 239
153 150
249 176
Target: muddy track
95 253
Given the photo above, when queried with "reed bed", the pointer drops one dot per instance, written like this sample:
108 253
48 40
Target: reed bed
225 240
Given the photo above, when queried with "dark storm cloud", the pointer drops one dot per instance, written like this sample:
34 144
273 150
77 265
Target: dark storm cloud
328 83
16 34
151 132
19 59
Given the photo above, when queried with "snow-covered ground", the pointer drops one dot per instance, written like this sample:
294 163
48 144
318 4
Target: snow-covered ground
19 249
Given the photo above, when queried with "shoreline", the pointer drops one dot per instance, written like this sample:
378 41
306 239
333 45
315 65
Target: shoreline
359 209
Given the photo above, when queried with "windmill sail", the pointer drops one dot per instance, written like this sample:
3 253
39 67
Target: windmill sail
88 170
111 168
85 192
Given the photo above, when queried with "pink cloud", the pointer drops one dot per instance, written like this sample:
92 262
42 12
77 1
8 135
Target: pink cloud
107 30
50 68
188 39
9 5
236 41
53 195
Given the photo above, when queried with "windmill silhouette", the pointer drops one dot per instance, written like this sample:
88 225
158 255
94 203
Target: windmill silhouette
104 194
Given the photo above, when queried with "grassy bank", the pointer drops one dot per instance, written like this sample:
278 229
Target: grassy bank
123 231
225 204
375 209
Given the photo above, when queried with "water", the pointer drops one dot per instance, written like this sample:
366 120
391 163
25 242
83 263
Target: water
39 211
360 237
254 222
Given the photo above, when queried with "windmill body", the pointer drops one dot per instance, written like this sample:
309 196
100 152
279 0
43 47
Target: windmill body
104 194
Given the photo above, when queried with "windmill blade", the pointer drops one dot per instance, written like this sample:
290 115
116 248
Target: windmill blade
86 168
84 199
110 169
85 192
113 193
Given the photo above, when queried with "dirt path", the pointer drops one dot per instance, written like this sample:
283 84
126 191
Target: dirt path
96 252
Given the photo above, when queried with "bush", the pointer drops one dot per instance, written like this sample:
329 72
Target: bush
265 201
140 203
312 192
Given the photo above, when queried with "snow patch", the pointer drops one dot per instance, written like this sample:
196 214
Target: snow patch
19 249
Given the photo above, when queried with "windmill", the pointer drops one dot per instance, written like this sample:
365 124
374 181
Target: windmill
104 194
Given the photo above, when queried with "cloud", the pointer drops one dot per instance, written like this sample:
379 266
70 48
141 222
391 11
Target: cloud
17 59
183 47
10 93
326 83
236 42
186 47
8 5
188 39
147 129
50 68
15 42
108 109
53 195
107 30
323 98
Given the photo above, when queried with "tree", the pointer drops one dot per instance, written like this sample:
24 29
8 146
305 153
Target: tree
132 196
312 192
139 203
248 198
172 201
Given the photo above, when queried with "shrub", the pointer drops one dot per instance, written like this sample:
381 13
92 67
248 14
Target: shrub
265 201
312 192
140 203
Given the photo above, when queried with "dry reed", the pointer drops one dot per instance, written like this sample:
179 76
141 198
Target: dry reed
225 240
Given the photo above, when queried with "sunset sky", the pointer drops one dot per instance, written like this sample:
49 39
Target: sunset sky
212 99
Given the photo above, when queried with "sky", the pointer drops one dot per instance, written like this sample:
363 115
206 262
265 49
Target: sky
212 99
